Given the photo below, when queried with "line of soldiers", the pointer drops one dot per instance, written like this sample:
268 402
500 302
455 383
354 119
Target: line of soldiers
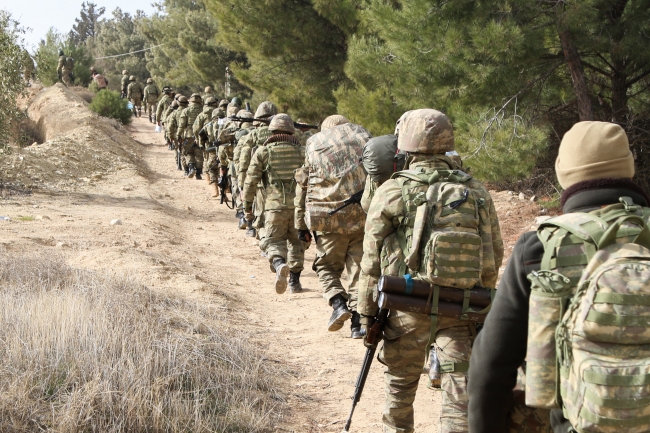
288 185
133 91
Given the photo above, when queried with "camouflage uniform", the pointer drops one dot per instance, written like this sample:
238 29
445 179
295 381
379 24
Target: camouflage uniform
65 69
331 174
237 190
193 153
406 334
273 166
124 83
173 121
201 128
151 94
134 94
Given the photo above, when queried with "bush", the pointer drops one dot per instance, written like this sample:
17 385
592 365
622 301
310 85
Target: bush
86 351
109 104
93 86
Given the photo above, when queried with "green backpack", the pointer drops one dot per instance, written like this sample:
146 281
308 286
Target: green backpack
589 320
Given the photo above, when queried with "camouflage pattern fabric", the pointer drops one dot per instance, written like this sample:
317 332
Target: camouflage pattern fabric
193 153
332 172
426 131
281 240
65 69
201 120
526 419
124 83
368 193
163 104
226 153
134 90
336 252
150 100
187 118
255 138
404 352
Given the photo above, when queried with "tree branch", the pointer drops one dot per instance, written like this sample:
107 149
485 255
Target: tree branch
597 69
638 78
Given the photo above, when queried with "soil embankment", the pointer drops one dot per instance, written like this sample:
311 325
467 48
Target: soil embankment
176 240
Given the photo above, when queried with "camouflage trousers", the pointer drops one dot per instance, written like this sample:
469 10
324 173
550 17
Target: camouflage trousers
404 354
137 104
525 419
211 160
239 204
258 212
281 239
334 253
150 108
193 153
66 77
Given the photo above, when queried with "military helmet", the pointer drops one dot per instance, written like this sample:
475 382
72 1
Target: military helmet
196 98
92 69
61 53
332 121
426 131
398 124
211 101
223 103
245 114
218 113
178 95
282 123
183 100
236 101
167 89
132 78
149 80
266 109
232 110
124 72
174 104
208 90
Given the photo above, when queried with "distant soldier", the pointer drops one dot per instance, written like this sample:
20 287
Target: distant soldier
211 156
273 166
173 120
165 121
151 94
99 79
28 67
233 159
209 93
65 69
192 151
202 125
134 94
125 82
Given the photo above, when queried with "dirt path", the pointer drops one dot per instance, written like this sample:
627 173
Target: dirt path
178 240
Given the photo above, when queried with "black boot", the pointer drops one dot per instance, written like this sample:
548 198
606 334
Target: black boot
340 314
242 224
355 326
150 121
251 232
294 282
239 214
281 274
191 170
187 170
199 171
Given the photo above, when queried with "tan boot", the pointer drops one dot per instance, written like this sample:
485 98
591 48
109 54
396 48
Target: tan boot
207 177
215 190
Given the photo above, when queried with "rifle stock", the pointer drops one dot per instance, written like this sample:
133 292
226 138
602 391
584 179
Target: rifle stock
267 121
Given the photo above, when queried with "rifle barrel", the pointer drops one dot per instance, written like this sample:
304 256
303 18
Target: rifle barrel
361 383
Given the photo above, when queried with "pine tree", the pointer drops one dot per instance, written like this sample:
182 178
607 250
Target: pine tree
86 24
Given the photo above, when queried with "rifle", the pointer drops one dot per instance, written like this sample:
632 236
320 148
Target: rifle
354 198
205 134
215 146
223 184
267 121
371 341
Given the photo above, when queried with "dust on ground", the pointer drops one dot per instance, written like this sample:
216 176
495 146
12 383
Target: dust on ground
111 198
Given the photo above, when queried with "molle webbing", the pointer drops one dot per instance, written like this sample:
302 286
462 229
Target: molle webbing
277 138
284 159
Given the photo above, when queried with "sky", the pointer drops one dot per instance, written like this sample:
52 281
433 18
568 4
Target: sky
40 15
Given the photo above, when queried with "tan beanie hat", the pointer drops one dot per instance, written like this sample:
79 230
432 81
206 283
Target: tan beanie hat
593 150
332 121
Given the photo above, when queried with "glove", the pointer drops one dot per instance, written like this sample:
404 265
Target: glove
304 235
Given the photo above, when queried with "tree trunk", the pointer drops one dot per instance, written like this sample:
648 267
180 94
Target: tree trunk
572 57
619 90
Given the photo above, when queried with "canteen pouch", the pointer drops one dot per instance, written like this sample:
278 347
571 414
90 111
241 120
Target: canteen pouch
549 296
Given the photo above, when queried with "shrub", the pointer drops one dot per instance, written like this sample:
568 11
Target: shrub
93 86
109 104
87 351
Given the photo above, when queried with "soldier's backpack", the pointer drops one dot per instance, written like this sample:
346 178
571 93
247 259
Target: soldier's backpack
381 159
69 63
589 320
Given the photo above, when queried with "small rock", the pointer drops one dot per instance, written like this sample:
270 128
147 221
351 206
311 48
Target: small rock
522 196
200 328
116 222
127 188
61 245
510 193
42 217
252 276
199 228
533 198
191 264
58 172
189 208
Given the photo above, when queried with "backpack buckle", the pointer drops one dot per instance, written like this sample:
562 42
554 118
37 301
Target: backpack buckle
629 204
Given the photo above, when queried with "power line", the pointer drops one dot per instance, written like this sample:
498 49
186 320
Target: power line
132 52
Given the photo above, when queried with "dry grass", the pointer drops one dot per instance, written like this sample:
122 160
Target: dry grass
88 352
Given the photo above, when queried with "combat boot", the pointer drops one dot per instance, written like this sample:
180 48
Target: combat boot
281 274
239 214
191 171
355 326
199 172
294 282
251 232
243 224
340 314
150 121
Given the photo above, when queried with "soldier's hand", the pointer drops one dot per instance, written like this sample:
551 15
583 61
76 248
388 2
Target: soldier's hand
304 235
366 324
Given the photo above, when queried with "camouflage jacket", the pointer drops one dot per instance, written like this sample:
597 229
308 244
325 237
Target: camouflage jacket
134 90
187 118
251 141
125 83
200 121
64 65
274 165
388 209
332 172
151 94
163 104
165 117
239 139
173 121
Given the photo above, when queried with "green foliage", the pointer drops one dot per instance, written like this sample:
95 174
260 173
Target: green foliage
86 24
47 58
11 68
108 103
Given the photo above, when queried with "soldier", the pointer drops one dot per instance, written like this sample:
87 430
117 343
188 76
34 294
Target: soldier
273 164
425 135
202 125
193 153
124 83
251 141
209 93
165 101
211 156
595 167
165 120
332 172
99 79
28 67
228 137
173 120
65 69
151 94
134 94
245 128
